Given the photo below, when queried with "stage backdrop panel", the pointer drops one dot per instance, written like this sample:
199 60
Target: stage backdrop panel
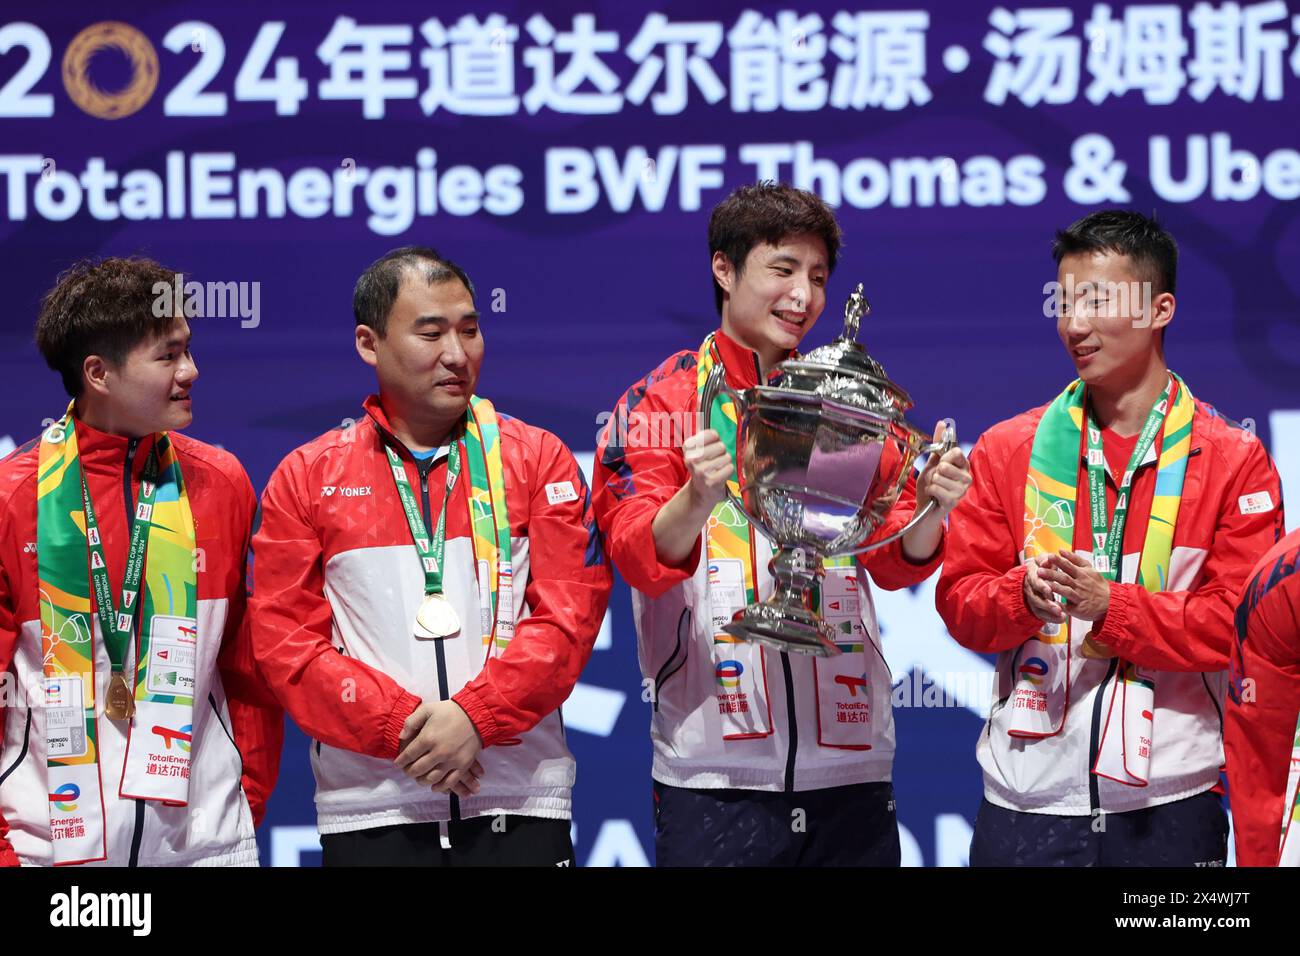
567 154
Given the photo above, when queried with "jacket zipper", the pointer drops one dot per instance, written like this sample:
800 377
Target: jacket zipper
424 467
22 753
1094 735
1205 680
138 833
1094 740
1094 799
683 622
212 701
794 723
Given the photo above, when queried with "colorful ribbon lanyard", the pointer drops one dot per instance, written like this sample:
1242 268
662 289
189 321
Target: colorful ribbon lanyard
117 626
1110 541
431 552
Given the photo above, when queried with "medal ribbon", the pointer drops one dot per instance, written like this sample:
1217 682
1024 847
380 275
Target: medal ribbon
1108 542
1044 660
116 626
161 574
480 444
431 551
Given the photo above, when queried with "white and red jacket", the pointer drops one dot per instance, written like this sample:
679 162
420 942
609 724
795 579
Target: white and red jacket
1264 703
634 479
238 726
337 585
1231 512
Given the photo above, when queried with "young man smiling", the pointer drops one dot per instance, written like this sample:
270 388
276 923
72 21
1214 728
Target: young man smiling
429 585
142 733
751 764
1100 554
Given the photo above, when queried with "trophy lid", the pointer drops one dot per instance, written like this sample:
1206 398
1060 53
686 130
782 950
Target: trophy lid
842 371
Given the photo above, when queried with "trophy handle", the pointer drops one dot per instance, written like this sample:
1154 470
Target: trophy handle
714 385
931 448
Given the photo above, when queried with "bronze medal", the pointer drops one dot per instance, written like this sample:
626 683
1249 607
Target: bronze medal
119 703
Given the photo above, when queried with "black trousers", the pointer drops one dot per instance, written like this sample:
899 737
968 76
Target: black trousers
505 840
838 826
1189 832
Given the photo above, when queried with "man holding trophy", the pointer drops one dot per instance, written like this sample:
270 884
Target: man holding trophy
1100 554
772 730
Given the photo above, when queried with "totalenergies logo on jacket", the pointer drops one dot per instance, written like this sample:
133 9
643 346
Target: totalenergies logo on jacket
728 673
183 737
854 684
1033 670
65 798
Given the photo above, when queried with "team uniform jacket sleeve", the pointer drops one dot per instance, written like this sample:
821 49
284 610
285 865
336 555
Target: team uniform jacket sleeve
647 471
890 567
256 717
290 622
8 641
1192 630
567 591
980 595
1260 722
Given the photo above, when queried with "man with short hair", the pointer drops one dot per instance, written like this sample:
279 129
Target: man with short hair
429 584
760 757
1099 554
142 733
1261 723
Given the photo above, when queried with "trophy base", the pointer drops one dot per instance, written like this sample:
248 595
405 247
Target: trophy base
795 630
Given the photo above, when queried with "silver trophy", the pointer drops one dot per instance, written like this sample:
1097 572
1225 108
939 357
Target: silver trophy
823 456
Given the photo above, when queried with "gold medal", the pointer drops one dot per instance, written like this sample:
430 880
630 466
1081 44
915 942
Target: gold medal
120 702
437 616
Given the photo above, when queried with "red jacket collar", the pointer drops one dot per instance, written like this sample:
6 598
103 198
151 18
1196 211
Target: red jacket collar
104 452
375 409
741 363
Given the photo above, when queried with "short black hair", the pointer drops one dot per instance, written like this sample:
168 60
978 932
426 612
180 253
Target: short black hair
768 212
101 307
1147 244
377 289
